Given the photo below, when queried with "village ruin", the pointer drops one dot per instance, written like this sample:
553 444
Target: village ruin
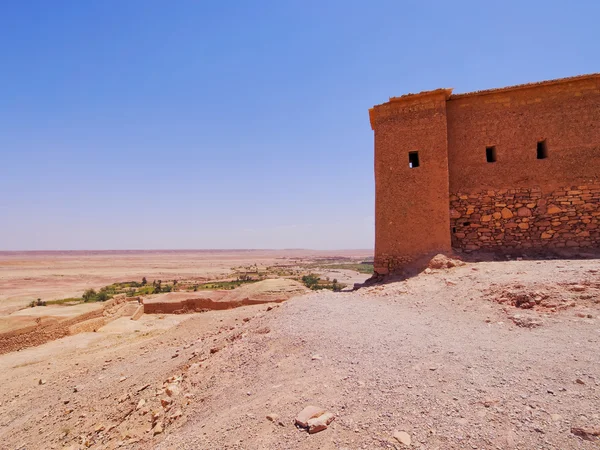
501 170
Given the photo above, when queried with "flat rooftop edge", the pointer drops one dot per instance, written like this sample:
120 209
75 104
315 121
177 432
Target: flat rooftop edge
449 96
536 84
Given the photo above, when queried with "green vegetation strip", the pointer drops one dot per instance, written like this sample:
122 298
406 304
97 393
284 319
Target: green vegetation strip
220 285
129 288
366 267
315 283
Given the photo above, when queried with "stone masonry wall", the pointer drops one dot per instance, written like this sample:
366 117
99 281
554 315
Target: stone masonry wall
385 263
526 218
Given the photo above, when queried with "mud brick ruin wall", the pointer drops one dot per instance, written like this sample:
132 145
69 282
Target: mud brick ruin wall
199 305
51 328
520 167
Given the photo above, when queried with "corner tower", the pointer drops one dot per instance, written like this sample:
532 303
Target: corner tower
412 219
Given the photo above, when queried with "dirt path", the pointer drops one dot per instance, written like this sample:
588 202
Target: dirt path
436 356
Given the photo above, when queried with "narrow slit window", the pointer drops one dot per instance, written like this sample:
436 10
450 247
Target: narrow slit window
413 159
490 154
542 149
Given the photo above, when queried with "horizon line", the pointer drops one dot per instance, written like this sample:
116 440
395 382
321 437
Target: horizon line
189 250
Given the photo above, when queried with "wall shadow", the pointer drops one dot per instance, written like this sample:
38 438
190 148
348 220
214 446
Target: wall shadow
476 257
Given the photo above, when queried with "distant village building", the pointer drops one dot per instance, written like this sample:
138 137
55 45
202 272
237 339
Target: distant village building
515 169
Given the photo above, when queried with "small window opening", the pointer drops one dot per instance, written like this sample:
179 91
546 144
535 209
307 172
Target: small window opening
542 150
490 154
467 224
454 229
413 159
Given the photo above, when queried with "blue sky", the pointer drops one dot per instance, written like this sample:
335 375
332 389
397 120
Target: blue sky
235 124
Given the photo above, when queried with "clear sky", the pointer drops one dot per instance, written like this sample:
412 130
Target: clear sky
142 124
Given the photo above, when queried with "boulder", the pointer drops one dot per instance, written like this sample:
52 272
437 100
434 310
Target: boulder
443 262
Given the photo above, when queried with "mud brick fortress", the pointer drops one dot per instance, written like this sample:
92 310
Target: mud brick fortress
510 170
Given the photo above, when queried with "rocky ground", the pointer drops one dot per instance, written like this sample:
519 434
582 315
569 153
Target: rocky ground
491 355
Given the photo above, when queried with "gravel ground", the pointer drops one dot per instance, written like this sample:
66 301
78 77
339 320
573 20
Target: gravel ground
431 356
444 356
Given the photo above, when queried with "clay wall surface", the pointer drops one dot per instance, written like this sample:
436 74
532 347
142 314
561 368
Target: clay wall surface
88 326
198 305
48 329
520 201
566 114
139 312
411 209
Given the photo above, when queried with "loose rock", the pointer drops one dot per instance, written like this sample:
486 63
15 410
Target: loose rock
158 429
310 412
172 390
588 434
320 423
403 437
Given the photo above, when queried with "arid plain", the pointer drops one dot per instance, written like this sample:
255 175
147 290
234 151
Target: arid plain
26 276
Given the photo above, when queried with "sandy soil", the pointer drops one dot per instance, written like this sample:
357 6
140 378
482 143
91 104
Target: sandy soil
58 310
445 356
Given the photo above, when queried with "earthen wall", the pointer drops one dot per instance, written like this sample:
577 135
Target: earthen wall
412 203
199 305
566 115
52 328
520 200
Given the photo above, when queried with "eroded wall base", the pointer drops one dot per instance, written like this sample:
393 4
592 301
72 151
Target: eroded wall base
386 264
50 328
